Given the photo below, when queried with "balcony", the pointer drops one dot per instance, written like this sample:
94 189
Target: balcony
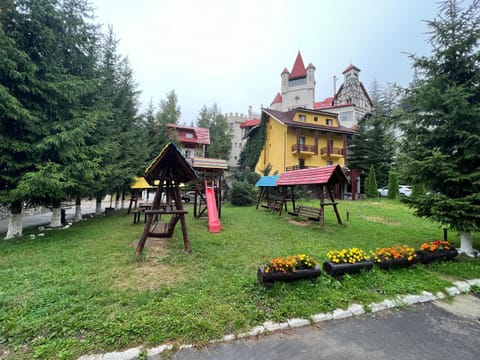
298 167
304 150
332 152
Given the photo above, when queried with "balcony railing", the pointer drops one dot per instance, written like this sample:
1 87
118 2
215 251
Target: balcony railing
297 167
304 147
325 151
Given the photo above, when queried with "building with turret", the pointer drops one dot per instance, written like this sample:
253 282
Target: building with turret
297 87
351 102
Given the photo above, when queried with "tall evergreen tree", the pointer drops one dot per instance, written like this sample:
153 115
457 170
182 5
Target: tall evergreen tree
220 137
442 136
61 42
119 131
168 113
18 125
393 191
374 143
371 189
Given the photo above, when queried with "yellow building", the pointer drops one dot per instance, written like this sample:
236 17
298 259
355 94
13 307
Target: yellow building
302 138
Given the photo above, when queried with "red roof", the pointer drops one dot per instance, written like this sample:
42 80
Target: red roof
250 123
323 104
332 174
298 70
287 118
277 99
350 67
200 135
310 66
285 71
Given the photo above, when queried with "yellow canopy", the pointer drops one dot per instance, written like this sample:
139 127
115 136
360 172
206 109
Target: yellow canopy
141 183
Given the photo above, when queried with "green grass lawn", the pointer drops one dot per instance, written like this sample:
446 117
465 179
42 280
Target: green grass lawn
80 290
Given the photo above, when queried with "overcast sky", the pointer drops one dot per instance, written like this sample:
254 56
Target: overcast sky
232 52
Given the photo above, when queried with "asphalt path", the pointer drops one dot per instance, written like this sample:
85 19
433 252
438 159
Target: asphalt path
43 219
440 330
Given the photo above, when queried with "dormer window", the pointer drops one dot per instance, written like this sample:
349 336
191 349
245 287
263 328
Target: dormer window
329 122
302 118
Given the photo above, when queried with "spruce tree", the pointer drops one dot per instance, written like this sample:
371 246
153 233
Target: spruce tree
371 184
393 191
442 136
18 124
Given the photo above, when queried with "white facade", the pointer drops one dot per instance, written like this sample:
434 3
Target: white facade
234 121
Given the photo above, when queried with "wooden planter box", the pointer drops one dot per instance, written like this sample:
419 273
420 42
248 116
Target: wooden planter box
426 256
267 280
340 269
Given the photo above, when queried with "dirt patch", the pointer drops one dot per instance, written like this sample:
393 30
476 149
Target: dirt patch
148 273
381 220
299 222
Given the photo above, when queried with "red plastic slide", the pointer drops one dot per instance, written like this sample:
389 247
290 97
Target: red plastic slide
214 225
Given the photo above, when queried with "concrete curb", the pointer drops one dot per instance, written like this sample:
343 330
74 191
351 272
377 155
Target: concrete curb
459 287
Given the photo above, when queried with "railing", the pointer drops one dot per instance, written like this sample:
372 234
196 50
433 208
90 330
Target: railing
304 147
333 151
297 167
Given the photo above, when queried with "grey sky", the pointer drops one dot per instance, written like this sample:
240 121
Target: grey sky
232 52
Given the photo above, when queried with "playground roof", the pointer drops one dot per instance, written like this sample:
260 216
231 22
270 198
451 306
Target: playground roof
332 174
268 181
141 183
208 163
169 164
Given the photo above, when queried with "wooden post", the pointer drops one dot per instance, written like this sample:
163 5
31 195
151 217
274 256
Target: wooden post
334 205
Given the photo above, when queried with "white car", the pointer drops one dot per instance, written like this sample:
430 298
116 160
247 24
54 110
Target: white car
404 190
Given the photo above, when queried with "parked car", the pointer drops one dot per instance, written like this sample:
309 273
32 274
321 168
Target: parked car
404 190
188 196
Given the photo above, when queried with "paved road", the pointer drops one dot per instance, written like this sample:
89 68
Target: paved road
437 331
44 218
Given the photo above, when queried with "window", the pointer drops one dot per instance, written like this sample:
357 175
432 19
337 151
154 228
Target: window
346 116
302 118
329 122
329 162
296 82
189 135
315 118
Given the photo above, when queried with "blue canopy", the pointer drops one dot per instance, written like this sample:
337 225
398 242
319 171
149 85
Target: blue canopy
268 181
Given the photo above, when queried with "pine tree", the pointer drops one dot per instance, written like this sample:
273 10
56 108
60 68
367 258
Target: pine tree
371 184
375 142
59 39
443 131
18 125
393 191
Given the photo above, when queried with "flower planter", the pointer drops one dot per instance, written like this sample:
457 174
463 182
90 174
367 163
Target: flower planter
427 256
267 279
340 269
395 263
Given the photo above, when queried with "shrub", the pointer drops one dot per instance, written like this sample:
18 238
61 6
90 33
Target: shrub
242 193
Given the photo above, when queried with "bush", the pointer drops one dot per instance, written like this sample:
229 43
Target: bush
242 193
393 192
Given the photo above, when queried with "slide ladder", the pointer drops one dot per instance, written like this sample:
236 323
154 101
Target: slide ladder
214 225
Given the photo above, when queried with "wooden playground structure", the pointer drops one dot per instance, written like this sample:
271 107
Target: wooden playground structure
324 178
211 173
167 171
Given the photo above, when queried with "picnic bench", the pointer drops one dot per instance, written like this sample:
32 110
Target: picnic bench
311 213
